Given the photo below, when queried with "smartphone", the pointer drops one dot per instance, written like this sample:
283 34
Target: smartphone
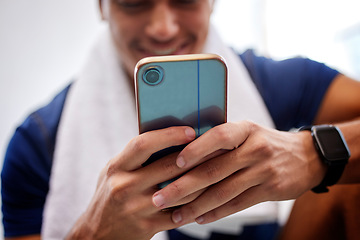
181 90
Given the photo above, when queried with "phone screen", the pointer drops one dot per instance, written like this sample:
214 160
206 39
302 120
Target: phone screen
181 90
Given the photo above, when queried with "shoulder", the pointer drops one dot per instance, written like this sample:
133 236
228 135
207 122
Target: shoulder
42 124
262 68
292 88
27 166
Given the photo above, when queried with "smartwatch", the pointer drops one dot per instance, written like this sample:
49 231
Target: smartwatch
333 151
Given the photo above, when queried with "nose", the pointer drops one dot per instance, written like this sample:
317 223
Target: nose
162 25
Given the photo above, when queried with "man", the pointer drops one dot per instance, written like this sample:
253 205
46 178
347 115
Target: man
228 169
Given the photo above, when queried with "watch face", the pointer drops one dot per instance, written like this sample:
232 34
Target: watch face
332 145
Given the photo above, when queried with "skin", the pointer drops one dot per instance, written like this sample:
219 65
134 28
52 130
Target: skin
231 167
261 164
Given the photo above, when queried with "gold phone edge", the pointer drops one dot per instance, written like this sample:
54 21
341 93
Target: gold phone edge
173 58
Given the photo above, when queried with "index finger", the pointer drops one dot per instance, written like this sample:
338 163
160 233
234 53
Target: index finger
227 136
140 148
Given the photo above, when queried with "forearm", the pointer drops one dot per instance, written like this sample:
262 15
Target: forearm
351 132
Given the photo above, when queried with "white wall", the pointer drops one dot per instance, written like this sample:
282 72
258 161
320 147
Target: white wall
43 43
324 30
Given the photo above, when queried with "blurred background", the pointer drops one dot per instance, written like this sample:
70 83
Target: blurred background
43 43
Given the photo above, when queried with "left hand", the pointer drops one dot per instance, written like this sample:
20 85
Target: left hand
238 165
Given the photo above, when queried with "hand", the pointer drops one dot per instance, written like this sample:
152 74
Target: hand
240 165
122 205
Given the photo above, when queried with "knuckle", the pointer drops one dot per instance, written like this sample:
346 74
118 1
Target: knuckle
190 149
273 186
174 134
221 194
110 169
273 169
214 215
176 189
171 131
191 211
118 194
114 166
251 125
168 167
139 143
263 146
223 134
276 186
238 203
120 188
212 171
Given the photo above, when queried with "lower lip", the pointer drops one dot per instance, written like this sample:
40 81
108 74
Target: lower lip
165 52
175 51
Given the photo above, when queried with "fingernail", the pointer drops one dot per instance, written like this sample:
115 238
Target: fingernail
190 133
158 200
180 162
199 220
176 216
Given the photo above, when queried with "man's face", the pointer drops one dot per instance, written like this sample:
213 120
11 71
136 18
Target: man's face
143 28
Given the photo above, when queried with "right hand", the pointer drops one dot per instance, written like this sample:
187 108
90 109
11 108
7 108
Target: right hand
122 207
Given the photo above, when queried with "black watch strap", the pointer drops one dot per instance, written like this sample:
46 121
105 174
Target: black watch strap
335 169
332 176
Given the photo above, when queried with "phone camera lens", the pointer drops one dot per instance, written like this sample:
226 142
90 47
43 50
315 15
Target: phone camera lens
153 75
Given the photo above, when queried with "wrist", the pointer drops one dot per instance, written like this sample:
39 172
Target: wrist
316 168
332 150
351 132
80 230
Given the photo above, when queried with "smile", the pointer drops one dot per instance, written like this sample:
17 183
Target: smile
164 51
